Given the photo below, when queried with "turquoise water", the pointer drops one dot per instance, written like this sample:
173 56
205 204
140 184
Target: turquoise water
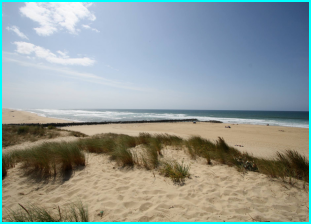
275 118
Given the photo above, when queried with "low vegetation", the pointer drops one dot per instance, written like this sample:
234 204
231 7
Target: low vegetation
75 212
13 134
49 159
46 160
176 171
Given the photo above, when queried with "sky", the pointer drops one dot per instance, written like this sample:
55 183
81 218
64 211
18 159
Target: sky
205 56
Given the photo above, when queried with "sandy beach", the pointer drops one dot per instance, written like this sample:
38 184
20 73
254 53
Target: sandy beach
214 192
10 116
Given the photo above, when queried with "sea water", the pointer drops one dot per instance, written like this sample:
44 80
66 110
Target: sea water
275 118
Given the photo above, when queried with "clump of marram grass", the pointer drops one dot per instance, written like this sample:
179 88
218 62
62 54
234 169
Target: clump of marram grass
198 146
123 156
4 171
50 158
286 166
143 138
155 145
150 158
13 134
126 141
97 145
9 160
75 212
295 164
218 151
169 140
174 170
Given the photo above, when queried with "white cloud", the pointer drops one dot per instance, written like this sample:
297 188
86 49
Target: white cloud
88 27
53 16
109 66
85 77
17 31
40 52
63 54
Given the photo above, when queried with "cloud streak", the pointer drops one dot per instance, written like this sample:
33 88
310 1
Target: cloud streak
16 30
53 16
90 28
86 77
40 52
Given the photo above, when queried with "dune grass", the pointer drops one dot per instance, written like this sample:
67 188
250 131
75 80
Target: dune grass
75 212
143 138
285 166
174 170
51 158
123 156
169 140
150 158
97 145
13 134
47 159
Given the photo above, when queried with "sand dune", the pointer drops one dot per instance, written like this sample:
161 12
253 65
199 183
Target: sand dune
214 193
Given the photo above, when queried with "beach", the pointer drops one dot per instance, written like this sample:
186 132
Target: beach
214 192
17 117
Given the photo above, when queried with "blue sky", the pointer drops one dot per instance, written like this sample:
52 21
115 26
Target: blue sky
214 56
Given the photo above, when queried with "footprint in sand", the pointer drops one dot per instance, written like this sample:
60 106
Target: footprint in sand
73 192
157 192
120 197
145 219
145 206
171 196
122 188
129 204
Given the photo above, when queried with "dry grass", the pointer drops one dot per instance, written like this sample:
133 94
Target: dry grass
59 157
97 145
176 171
12 135
75 212
47 159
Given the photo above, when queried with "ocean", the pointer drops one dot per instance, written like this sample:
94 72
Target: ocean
275 118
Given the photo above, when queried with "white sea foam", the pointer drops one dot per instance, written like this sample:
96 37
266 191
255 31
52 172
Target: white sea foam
110 115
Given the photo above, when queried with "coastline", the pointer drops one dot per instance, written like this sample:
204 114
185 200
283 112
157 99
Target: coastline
273 118
259 140
11 116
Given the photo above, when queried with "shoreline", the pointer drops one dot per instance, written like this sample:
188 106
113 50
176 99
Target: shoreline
38 119
259 140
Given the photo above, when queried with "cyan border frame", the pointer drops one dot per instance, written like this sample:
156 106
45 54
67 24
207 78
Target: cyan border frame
163 1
